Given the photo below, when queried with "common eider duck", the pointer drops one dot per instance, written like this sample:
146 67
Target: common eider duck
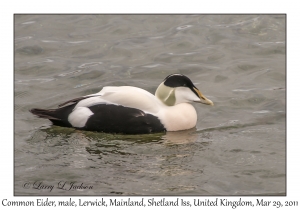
131 110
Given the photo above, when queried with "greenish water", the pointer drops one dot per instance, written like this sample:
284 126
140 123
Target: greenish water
238 61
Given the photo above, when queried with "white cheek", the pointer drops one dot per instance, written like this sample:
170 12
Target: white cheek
79 116
184 94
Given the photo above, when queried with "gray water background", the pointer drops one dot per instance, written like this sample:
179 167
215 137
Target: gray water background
238 61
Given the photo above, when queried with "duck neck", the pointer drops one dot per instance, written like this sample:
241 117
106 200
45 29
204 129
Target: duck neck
166 94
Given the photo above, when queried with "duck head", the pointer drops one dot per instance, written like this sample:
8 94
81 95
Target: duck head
177 88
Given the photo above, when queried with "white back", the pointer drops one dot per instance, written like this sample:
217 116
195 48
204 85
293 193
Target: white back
126 96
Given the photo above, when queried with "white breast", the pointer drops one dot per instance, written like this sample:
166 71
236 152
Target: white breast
179 117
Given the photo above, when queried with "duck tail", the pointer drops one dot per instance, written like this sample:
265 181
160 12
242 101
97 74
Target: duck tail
56 116
50 114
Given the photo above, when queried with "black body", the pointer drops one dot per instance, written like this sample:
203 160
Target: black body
119 119
107 118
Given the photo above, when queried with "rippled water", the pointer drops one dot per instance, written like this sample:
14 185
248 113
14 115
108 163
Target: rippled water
237 61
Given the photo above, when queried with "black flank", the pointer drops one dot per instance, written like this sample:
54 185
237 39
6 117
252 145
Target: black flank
119 119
